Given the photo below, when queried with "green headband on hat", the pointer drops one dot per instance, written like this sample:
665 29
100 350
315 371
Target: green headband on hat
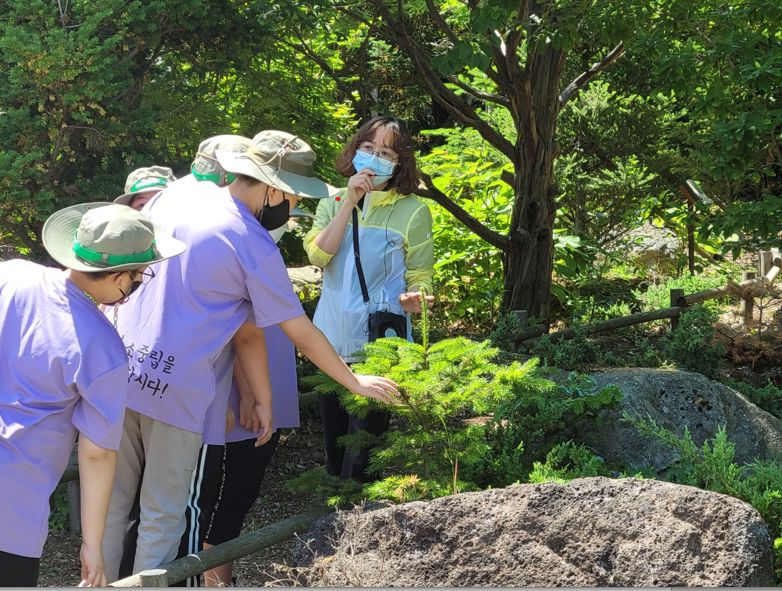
219 178
112 259
147 183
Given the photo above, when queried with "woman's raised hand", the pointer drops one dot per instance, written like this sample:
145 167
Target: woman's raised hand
359 185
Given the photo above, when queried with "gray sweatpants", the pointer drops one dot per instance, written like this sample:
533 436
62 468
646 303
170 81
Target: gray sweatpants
168 456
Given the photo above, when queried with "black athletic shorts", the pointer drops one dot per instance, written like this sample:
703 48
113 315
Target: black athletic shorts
226 482
18 571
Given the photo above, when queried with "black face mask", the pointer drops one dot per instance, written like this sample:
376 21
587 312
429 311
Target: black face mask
275 216
134 285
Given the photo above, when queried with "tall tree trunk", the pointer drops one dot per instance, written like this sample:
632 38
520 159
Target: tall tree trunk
530 259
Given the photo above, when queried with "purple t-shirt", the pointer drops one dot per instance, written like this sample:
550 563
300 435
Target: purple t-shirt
63 369
285 394
177 326
285 390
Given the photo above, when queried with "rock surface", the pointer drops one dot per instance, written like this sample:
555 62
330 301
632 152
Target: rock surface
675 399
306 280
653 244
590 532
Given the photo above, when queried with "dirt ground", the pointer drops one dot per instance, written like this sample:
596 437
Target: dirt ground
299 450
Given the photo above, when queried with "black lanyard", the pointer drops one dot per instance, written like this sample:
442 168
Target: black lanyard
361 280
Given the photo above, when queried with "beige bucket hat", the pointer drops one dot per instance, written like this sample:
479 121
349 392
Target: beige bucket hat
205 167
280 160
93 237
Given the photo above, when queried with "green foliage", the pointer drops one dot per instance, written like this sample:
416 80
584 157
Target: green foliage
769 397
91 91
438 387
565 462
658 295
569 353
59 514
534 416
468 269
504 334
340 493
465 421
723 63
712 467
692 345
615 160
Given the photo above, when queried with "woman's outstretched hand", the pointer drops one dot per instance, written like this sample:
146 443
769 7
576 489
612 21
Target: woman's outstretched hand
381 389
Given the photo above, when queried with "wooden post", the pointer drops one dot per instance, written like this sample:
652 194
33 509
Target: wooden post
74 506
195 564
765 262
691 245
523 318
675 295
747 304
74 496
156 577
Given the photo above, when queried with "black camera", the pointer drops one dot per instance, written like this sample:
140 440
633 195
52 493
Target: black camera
386 324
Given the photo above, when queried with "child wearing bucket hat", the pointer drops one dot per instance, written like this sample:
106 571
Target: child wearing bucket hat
142 184
64 371
179 326
232 467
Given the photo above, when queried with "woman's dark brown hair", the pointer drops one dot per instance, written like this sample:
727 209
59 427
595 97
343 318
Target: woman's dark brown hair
405 179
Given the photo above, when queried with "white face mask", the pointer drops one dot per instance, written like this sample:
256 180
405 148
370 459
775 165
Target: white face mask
278 233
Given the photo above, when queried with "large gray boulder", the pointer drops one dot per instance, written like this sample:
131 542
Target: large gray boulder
590 532
676 399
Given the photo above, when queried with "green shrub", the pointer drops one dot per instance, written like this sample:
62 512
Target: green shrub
769 398
658 296
464 420
504 334
568 353
692 346
535 416
565 462
711 467
59 513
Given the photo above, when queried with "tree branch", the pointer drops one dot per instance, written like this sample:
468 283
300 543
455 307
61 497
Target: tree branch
438 18
431 192
62 15
584 79
458 107
484 96
307 52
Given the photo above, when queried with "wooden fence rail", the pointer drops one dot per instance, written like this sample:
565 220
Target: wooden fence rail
679 304
196 564
620 322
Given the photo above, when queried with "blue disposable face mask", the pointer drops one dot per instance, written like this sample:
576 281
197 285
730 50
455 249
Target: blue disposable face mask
383 169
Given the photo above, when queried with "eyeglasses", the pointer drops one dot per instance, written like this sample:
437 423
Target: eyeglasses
147 275
384 153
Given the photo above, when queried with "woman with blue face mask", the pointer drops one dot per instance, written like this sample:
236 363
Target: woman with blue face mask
393 229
